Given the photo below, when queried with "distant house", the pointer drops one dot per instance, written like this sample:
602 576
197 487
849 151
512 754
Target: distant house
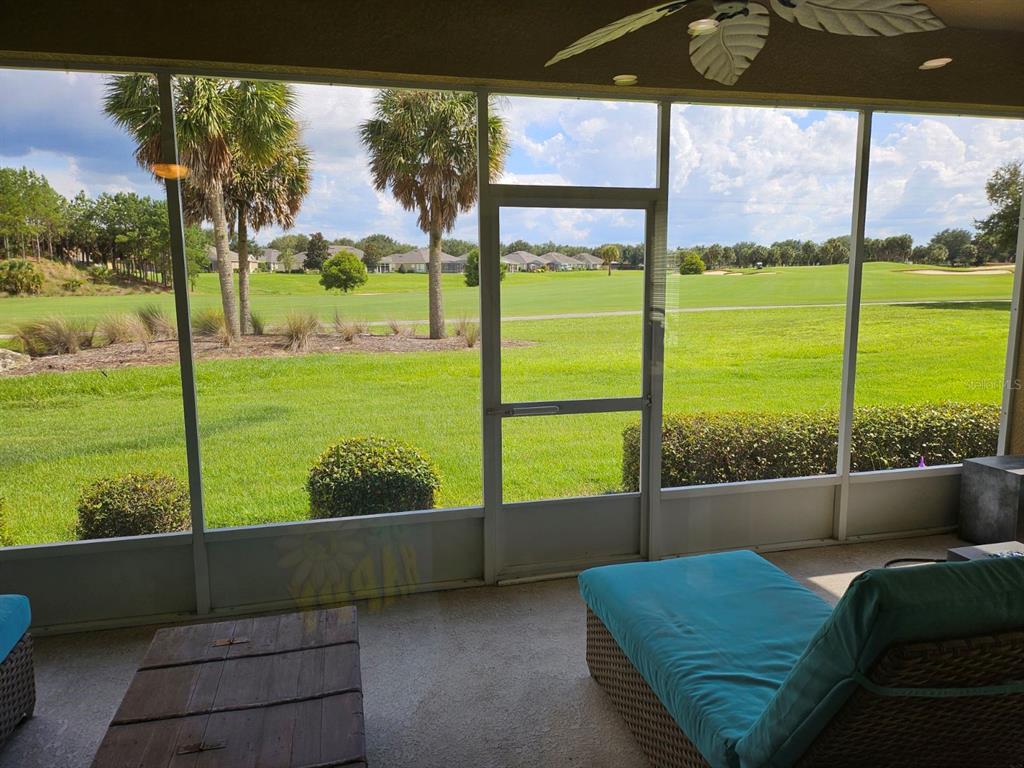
560 262
589 260
254 263
298 262
270 260
333 249
522 261
417 261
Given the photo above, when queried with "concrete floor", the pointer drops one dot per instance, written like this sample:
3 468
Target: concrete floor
481 678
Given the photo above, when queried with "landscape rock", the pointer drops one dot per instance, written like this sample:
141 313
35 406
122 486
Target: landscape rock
10 359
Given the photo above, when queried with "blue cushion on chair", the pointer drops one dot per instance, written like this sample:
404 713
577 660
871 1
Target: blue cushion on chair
15 616
714 636
881 607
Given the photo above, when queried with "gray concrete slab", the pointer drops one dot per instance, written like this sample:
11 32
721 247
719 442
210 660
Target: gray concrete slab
474 678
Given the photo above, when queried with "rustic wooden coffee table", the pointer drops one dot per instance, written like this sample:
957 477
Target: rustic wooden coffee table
271 692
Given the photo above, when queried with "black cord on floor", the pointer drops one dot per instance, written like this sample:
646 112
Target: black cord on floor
899 560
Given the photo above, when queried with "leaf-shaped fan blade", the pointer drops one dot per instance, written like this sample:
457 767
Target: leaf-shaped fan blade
726 53
617 29
865 18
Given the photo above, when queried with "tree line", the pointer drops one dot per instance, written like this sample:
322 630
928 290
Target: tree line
125 233
993 239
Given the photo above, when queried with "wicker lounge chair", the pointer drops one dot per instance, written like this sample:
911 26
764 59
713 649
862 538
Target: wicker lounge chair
912 706
17 677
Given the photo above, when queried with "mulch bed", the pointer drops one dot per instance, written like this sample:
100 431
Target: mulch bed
166 352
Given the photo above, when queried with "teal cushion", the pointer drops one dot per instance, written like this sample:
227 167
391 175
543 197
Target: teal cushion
15 616
714 636
881 607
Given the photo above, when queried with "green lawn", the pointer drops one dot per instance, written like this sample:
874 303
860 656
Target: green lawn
264 420
403 297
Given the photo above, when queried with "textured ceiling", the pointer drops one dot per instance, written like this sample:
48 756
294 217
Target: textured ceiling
508 42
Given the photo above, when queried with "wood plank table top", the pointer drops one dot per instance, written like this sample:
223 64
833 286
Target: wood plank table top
270 692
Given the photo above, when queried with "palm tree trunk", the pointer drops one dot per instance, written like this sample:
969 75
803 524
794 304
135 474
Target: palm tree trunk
434 286
243 271
220 243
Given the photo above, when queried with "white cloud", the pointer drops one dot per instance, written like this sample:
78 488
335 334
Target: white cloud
736 173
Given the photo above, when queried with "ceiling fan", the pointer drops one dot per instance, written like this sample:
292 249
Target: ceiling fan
723 46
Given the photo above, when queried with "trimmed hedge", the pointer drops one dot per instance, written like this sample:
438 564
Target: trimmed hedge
133 505
703 448
369 476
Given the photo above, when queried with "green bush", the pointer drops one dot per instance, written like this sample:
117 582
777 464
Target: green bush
691 264
133 505
730 447
19 276
368 476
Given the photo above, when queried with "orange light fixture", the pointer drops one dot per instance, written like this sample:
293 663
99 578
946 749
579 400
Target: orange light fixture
169 170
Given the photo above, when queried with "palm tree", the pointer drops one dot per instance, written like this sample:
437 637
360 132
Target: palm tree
257 196
423 146
219 123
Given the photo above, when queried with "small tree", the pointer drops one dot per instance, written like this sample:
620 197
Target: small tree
197 244
316 251
609 254
954 241
691 264
344 271
288 259
472 273
936 253
1004 190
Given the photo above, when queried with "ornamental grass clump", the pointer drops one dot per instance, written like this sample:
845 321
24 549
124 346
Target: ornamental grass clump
133 505
54 336
157 322
123 329
208 322
299 329
369 476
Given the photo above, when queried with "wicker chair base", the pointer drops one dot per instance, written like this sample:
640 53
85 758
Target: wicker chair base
870 729
654 729
17 687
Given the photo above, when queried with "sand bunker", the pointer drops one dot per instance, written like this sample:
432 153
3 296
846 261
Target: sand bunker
976 271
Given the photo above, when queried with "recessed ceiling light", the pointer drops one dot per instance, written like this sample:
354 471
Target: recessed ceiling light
935 63
169 170
624 79
702 26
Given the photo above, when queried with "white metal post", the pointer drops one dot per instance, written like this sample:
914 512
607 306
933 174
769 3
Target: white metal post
490 345
1010 381
852 324
179 271
654 346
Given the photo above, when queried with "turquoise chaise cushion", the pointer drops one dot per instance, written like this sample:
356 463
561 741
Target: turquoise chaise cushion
15 616
881 607
714 636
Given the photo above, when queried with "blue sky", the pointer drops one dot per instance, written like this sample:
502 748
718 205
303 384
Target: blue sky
736 173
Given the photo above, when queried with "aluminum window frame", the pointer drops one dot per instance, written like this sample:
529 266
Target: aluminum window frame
654 200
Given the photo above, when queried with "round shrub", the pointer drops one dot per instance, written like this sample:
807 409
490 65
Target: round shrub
369 476
691 264
133 505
